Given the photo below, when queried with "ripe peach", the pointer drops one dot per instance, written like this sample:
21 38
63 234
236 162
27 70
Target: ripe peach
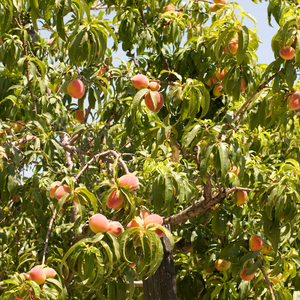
50 41
98 223
140 81
213 7
243 86
16 198
36 274
145 213
213 79
18 126
246 277
294 101
170 7
179 14
115 227
241 197
220 74
79 115
136 222
113 201
255 243
155 219
149 103
233 46
287 52
222 264
1 41
26 275
61 190
49 272
76 89
218 90
154 86
53 187
129 179
220 1
266 248
235 170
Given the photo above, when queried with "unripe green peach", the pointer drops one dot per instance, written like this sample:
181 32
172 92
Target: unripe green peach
98 223
37 274
76 89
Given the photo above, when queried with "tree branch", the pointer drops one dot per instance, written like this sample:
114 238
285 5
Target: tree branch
268 282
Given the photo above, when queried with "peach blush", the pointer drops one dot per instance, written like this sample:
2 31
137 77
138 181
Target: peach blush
129 179
98 223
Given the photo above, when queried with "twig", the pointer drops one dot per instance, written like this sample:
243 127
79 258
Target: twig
268 282
134 60
47 236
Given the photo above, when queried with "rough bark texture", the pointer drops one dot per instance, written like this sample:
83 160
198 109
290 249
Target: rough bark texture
162 285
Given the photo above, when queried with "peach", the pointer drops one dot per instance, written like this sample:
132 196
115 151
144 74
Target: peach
115 227
220 1
179 14
175 154
76 89
241 197
222 264
50 41
233 46
79 115
136 222
49 272
243 86
18 126
16 198
218 90
210 269
213 79
154 86
255 243
235 170
53 187
287 52
246 277
36 274
1 41
98 223
149 102
294 101
113 201
170 7
155 219
220 74
129 179
214 7
26 275
276 279
145 213
61 190
266 248
140 81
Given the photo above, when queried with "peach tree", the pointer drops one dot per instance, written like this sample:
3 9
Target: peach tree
145 154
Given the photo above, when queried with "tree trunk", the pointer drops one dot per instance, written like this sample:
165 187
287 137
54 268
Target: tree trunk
162 285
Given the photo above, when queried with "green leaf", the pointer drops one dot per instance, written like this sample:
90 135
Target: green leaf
189 136
224 159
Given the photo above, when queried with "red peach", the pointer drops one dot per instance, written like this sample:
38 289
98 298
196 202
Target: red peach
213 79
50 41
49 272
220 2
61 190
235 170
214 7
140 81
76 89
98 223
179 14
136 222
36 274
220 74
26 275
218 90
145 213
154 86
149 102
287 52
16 198
243 86
53 187
255 243
129 179
241 197
294 101
170 7
225 50
233 46
113 201
115 227
79 115
246 277
222 264
155 219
